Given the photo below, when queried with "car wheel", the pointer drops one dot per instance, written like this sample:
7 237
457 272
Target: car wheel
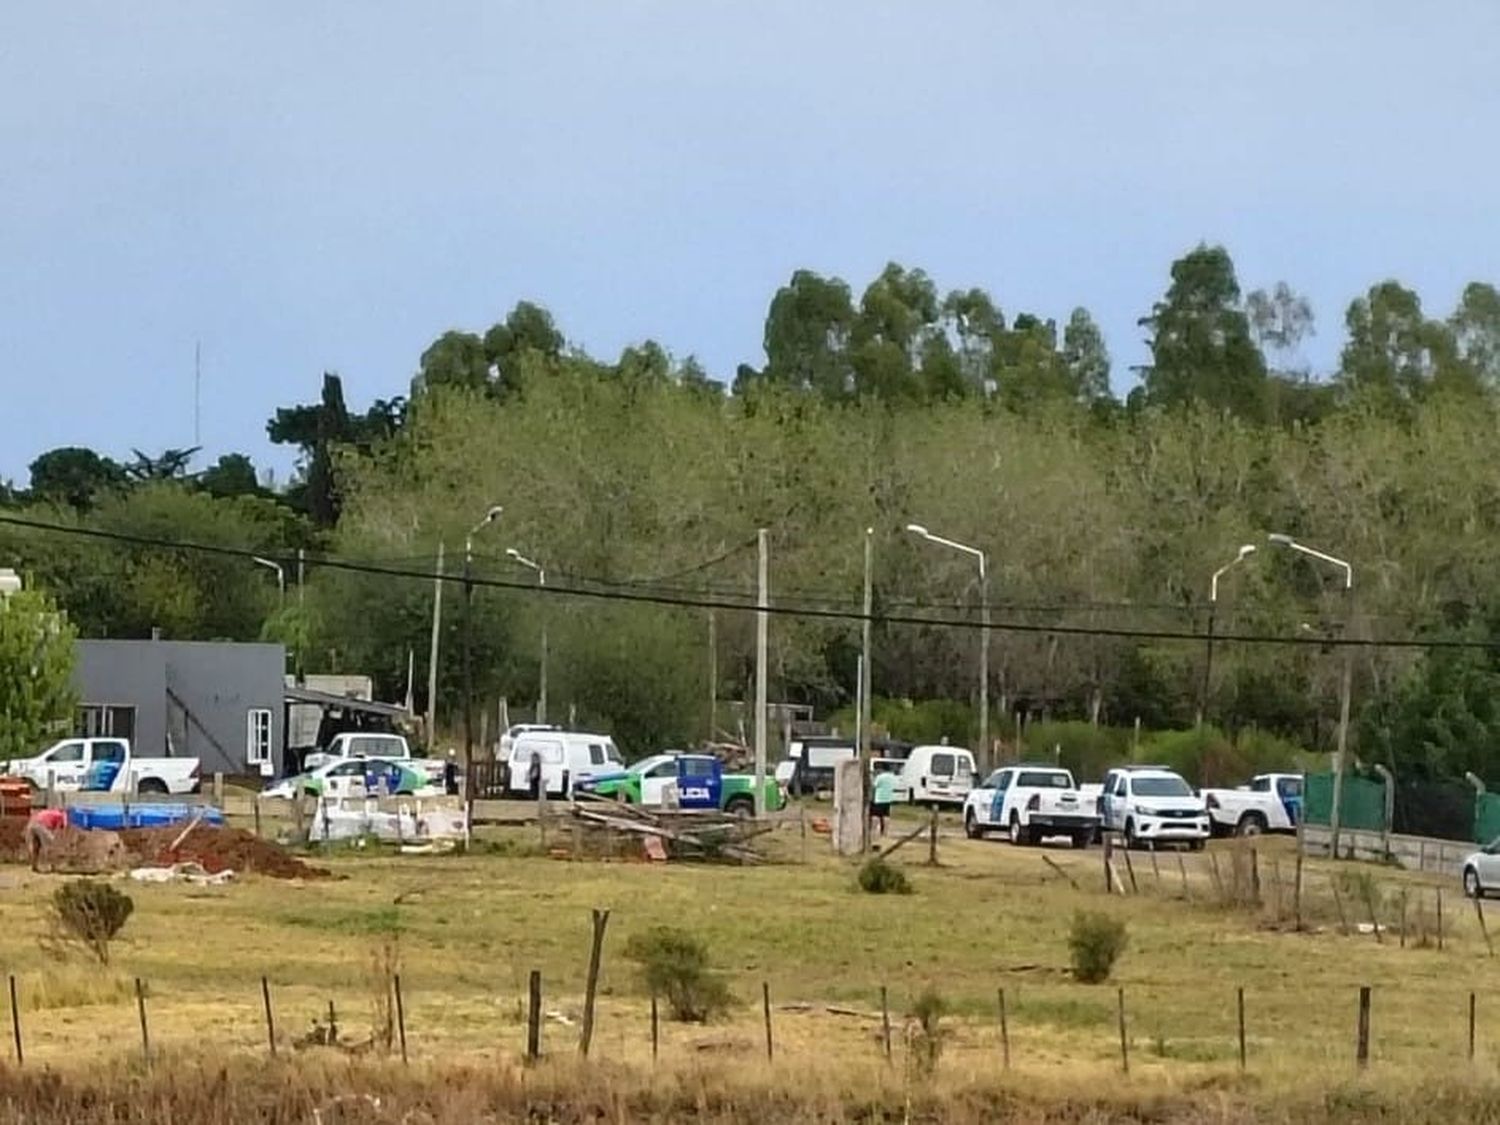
1081 839
1251 824
1472 886
971 825
152 785
1018 835
741 807
1195 845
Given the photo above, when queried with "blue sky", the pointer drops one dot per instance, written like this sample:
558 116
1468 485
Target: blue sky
331 185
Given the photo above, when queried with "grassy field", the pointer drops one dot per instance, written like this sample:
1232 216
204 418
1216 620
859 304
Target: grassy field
467 930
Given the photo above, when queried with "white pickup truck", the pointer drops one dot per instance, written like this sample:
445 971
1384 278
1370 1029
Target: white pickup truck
78 763
1271 802
370 744
1152 805
1031 802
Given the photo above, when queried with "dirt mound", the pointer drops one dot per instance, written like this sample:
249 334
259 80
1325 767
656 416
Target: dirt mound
217 849
12 839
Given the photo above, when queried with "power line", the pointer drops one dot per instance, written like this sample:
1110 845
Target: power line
647 597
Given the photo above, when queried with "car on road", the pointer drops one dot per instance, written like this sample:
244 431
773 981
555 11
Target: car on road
1031 803
1152 805
101 764
1271 802
354 777
1481 870
937 775
698 780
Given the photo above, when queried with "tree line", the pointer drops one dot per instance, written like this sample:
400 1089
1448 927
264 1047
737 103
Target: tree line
1099 514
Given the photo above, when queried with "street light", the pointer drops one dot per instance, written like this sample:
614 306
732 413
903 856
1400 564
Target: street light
1213 606
489 517
984 642
280 575
1346 685
541 580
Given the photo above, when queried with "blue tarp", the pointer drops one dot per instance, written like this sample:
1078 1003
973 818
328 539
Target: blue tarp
115 817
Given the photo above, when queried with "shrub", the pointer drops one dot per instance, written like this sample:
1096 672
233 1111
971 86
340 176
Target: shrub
927 1035
674 965
877 877
90 913
1096 942
1085 749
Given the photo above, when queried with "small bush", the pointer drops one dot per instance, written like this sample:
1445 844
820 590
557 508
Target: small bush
674 965
1096 942
926 1035
877 877
90 913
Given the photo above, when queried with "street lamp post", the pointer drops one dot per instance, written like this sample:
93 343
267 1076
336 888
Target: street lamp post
489 517
1213 608
541 580
280 576
1347 681
984 640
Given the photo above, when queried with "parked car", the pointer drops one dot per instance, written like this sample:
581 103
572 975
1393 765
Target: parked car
105 764
934 775
698 779
1272 802
1031 803
354 777
1149 804
1481 870
810 761
373 744
567 758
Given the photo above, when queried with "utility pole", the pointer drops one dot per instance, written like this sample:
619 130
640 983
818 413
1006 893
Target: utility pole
432 656
301 577
1346 688
713 674
761 703
985 764
864 685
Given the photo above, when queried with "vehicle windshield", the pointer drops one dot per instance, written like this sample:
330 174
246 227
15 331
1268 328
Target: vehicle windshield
612 753
1160 787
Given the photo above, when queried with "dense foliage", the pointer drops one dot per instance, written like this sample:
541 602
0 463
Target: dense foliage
1102 519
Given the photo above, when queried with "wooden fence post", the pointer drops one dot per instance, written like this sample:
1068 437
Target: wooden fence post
1338 901
15 1022
1130 869
1004 1032
1440 918
1297 883
1182 868
1240 1003
600 920
1362 1031
1155 867
256 803
1483 928
885 1022
932 829
1403 917
265 995
534 1016
1471 1026
1109 880
1369 896
400 1015
655 1039
140 1003
1124 1043
765 995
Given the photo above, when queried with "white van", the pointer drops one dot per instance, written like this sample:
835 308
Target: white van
937 775
567 758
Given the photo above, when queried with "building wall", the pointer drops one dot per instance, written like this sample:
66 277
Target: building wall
220 683
126 674
217 682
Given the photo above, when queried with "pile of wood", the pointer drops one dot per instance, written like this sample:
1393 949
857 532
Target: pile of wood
703 836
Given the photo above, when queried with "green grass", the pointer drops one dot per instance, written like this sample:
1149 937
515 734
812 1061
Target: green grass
470 928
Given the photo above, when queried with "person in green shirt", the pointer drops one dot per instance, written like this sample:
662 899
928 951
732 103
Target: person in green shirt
880 799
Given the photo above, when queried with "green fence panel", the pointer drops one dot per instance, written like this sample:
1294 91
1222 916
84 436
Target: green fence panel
1486 817
1363 803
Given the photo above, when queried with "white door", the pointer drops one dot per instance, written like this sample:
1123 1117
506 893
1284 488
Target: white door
655 781
67 763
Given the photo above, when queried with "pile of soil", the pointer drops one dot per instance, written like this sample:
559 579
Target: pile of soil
12 839
217 849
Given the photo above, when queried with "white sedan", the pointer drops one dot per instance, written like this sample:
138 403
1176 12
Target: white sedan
353 777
